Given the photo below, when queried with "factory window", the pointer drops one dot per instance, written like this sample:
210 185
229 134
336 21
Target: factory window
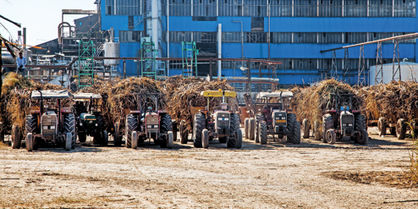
129 36
123 7
231 37
255 37
205 37
304 64
180 7
330 38
352 37
230 7
280 8
405 8
304 38
355 8
380 8
305 8
204 7
278 37
255 8
179 36
131 22
376 36
330 8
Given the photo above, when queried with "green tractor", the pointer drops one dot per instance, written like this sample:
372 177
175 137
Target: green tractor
89 118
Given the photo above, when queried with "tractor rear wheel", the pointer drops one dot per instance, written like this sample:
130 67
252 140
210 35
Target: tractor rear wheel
234 126
252 129
247 128
205 138
198 126
363 137
131 126
16 139
305 128
317 130
294 129
401 128
69 127
68 141
238 143
29 142
262 132
184 134
382 125
327 123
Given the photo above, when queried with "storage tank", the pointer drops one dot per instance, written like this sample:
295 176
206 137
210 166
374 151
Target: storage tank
409 72
111 49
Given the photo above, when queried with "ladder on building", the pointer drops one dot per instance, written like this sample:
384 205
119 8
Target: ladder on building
86 52
148 61
189 58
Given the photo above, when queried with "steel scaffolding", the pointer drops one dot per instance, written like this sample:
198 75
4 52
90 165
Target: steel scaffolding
148 61
86 53
189 54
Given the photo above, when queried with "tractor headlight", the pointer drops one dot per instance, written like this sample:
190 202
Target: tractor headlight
149 126
283 118
350 124
45 127
52 127
96 124
226 118
81 124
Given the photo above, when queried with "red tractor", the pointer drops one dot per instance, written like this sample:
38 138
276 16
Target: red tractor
340 121
273 116
145 122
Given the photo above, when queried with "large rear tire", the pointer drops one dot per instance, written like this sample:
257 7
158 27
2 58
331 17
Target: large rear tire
327 123
184 133
382 126
238 144
69 127
262 133
131 126
294 129
198 126
234 126
68 141
363 137
29 142
247 128
317 130
205 138
252 129
401 129
16 139
117 138
305 128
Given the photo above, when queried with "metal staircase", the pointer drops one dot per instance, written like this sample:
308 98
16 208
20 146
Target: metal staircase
189 58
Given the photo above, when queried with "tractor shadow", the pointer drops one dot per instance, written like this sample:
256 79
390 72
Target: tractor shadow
311 143
77 149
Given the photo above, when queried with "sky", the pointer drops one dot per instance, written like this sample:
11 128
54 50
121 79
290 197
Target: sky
40 17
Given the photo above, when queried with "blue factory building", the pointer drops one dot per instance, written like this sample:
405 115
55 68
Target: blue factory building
290 31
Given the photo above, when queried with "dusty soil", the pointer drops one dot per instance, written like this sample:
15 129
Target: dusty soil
275 175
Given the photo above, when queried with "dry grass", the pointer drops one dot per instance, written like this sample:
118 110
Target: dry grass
3 146
414 163
397 179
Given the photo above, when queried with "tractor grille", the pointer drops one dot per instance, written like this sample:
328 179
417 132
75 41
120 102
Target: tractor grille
49 124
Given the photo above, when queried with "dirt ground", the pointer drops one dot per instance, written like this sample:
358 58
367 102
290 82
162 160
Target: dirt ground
275 175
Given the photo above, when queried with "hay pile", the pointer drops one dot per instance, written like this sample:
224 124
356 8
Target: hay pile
182 93
393 101
130 94
311 102
15 99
